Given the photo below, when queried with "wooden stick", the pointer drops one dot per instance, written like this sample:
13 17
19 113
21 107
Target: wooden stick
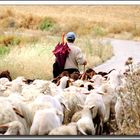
84 68
63 36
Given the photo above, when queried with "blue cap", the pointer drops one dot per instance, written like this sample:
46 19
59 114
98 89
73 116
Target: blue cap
70 35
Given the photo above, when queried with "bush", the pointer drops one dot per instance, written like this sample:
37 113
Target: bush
29 21
46 24
9 40
130 96
4 50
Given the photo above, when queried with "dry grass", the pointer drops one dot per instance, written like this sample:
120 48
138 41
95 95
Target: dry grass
31 62
114 19
14 40
94 50
35 61
130 96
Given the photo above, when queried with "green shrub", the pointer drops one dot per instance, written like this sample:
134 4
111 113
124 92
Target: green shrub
46 24
4 50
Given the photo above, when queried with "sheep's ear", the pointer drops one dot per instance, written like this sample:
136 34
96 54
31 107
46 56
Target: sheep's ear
91 107
69 83
18 112
81 130
58 83
81 106
65 105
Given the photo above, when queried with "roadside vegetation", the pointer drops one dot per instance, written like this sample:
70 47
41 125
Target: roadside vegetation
130 96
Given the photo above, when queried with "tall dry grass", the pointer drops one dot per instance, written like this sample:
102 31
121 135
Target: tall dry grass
130 97
104 20
95 50
35 61
30 61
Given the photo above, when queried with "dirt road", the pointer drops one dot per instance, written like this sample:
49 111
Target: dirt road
122 50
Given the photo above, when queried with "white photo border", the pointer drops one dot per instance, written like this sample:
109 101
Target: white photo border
66 2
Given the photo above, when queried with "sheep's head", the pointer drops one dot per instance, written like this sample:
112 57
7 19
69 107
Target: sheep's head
12 128
82 107
15 128
64 82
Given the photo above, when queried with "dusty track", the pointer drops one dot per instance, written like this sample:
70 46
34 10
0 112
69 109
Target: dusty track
122 49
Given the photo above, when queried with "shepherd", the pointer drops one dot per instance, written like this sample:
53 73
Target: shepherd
71 55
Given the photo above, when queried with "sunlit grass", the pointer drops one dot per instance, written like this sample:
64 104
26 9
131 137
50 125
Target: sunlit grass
35 61
30 61
84 20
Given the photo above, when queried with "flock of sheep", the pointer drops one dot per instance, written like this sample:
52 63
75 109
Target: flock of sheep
67 105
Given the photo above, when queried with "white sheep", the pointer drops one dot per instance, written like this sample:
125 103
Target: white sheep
98 80
109 98
12 86
17 84
78 83
25 111
70 129
81 90
115 79
7 113
73 99
15 97
30 92
77 115
98 112
14 112
14 128
85 124
44 121
63 82
4 81
52 89
47 101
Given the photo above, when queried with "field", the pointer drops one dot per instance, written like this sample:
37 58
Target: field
102 20
30 33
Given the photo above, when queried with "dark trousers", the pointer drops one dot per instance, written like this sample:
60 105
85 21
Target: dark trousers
57 70
71 70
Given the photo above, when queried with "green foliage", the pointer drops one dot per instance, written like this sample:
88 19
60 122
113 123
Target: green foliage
15 41
4 50
46 24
